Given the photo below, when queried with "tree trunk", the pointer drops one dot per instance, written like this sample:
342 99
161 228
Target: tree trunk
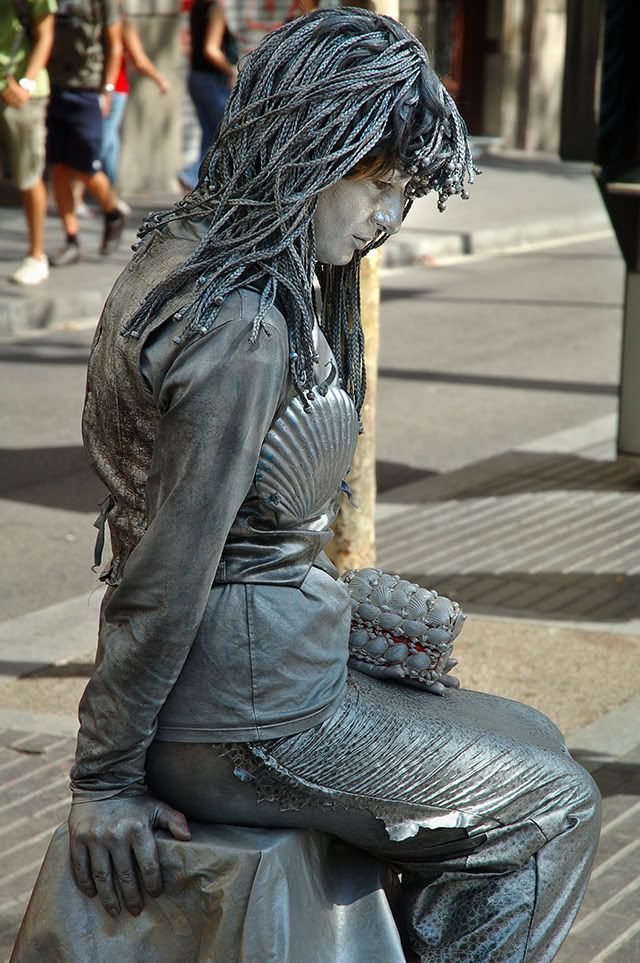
354 543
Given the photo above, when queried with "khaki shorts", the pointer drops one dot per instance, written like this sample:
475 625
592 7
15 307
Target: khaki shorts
22 141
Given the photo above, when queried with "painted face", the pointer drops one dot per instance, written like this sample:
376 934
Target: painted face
352 212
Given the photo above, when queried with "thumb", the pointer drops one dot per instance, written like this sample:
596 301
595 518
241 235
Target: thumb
174 821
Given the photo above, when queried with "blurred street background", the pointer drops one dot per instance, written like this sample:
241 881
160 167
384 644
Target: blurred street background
499 478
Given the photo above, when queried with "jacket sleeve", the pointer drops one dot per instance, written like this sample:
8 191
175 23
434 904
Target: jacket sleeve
217 398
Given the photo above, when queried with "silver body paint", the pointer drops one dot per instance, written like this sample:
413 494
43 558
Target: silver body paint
353 211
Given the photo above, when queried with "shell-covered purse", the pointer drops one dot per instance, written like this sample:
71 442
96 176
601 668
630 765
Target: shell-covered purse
399 630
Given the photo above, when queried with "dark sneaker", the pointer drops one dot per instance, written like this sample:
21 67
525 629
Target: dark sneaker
113 228
68 254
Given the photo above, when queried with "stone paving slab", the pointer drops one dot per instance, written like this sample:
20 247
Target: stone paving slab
34 775
551 533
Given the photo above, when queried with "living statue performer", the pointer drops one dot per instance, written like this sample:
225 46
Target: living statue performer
224 387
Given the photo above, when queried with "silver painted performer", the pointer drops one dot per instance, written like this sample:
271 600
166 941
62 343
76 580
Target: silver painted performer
222 414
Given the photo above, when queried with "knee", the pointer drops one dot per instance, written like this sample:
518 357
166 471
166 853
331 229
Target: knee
580 796
589 794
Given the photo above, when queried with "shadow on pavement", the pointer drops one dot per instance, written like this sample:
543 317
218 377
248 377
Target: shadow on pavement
613 776
391 474
559 596
53 477
403 294
22 356
540 165
499 381
521 472
525 534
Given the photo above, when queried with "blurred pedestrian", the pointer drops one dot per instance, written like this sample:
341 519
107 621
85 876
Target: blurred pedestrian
83 68
213 58
251 20
26 38
134 54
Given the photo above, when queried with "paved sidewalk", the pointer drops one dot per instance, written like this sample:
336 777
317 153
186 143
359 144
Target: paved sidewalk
517 200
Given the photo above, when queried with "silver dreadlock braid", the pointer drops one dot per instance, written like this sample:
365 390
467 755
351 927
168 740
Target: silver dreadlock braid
321 95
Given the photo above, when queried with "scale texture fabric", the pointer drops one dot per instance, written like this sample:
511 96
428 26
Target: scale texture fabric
469 761
231 895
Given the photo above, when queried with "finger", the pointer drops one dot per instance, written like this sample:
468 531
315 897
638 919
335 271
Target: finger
451 664
103 879
451 681
125 873
145 850
436 688
81 868
172 820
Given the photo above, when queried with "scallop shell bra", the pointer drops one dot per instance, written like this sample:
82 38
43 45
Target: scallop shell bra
306 455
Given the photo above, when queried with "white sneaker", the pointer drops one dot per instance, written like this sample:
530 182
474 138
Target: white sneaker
33 270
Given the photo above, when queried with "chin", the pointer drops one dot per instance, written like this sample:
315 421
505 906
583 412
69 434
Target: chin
335 259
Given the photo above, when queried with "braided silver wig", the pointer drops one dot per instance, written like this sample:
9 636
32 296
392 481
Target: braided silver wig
332 94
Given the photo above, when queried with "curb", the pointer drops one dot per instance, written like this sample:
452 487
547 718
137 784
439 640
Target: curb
613 735
47 636
22 311
424 246
32 313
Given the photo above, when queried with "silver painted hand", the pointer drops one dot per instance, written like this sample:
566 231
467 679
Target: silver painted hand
113 839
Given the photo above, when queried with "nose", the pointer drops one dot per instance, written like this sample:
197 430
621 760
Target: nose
388 216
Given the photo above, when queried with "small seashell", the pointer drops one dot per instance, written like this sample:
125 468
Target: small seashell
418 604
396 653
456 628
389 580
359 588
368 612
372 575
440 611
375 647
389 621
413 629
438 635
359 638
398 598
418 662
380 595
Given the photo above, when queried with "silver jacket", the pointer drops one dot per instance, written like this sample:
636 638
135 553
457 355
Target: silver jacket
224 619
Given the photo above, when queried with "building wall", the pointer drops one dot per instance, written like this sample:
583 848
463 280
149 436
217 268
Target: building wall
545 78
523 54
